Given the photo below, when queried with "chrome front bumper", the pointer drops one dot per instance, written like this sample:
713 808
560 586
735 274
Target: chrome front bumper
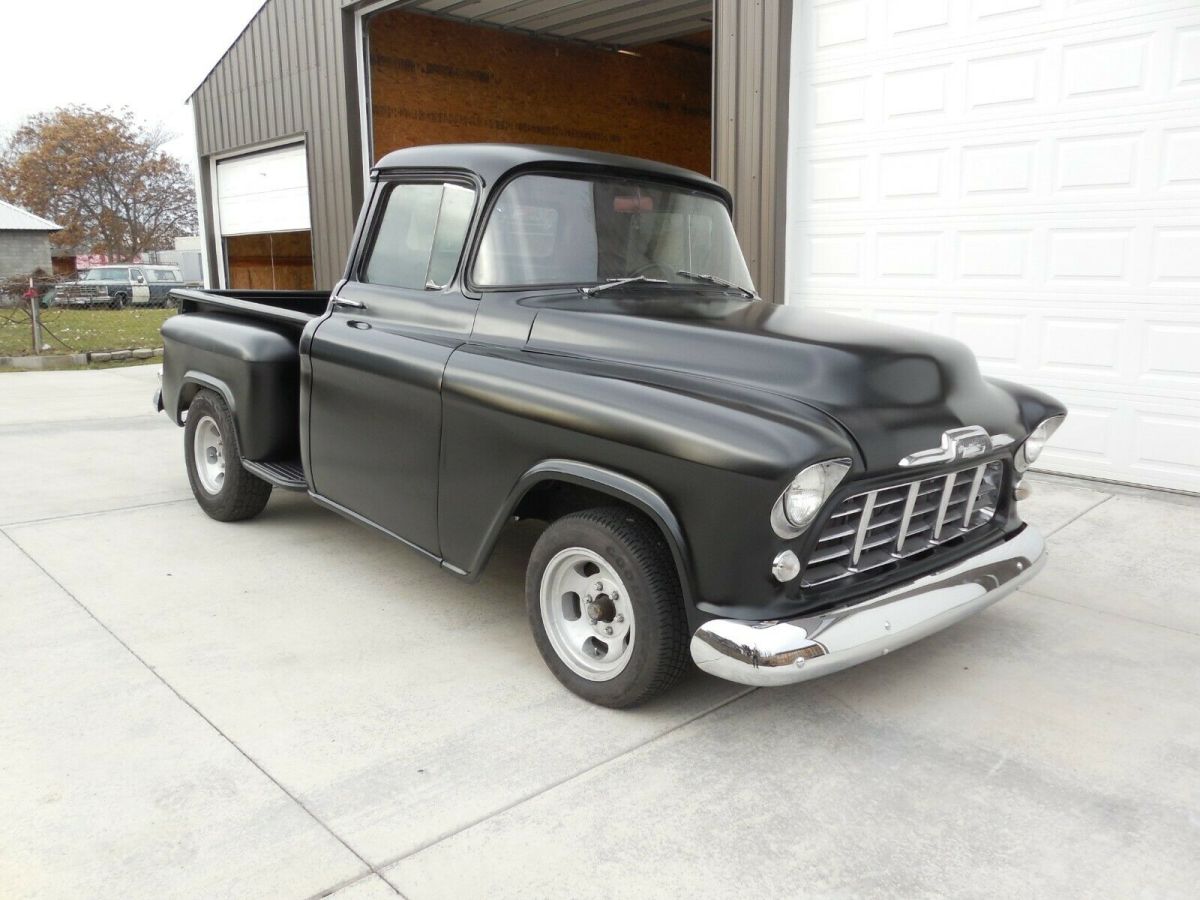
787 651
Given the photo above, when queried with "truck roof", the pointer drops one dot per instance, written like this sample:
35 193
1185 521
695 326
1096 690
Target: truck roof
493 161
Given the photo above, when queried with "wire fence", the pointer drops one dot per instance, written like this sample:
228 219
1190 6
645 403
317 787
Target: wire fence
35 320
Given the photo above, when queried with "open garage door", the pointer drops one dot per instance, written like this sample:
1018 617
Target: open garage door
631 79
263 221
1021 176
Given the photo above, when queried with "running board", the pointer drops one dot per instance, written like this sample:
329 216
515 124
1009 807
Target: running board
287 475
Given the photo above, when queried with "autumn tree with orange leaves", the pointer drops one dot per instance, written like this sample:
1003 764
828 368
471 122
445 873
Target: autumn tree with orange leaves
103 177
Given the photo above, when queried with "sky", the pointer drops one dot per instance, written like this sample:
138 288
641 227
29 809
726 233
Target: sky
148 55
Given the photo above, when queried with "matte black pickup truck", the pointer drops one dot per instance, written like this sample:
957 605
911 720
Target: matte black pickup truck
571 337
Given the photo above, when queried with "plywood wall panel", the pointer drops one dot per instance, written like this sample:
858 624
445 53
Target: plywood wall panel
434 81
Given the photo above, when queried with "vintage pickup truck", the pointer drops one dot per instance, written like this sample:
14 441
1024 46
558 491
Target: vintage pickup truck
572 337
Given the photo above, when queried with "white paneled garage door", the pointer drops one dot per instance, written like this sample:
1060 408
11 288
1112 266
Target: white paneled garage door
263 192
1024 176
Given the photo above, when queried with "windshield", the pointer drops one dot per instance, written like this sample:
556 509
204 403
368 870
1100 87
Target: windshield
559 230
107 274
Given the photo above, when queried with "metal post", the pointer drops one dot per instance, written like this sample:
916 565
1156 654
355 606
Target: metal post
35 303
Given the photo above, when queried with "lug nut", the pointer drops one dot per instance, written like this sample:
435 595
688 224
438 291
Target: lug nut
620 618
608 629
615 595
599 585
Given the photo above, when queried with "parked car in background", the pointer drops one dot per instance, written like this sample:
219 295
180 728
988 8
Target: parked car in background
572 337
119 286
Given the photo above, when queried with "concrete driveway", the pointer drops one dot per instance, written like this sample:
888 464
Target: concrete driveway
295 707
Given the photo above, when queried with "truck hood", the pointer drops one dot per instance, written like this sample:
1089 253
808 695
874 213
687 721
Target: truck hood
895 390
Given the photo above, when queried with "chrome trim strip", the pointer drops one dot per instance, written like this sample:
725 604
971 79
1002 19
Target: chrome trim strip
864 522
947 490
913 490
783 652
972 497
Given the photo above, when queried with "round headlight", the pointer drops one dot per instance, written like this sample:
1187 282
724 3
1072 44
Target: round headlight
796 509
804 497
1036 442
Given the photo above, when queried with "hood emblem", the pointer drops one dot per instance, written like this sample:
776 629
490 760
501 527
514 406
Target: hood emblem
967 442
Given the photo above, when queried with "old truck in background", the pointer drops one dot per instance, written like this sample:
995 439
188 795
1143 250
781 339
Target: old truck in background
115 287
574 338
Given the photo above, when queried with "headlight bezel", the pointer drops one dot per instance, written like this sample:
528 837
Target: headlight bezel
1040 434
831 473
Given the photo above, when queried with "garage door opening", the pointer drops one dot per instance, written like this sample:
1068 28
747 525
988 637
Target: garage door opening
263 220
434 80
276 261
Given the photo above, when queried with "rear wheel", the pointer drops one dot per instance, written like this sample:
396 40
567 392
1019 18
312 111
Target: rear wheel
222 487
605 607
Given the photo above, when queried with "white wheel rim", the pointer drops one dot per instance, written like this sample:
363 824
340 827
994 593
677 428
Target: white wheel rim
208 449
587 614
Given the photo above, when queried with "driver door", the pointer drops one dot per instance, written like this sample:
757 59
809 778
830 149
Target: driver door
375 410
139 291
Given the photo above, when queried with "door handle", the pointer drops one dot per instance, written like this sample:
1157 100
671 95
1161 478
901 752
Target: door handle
348 304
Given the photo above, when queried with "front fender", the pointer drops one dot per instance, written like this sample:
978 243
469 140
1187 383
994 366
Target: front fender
1034 406
705 459
616 485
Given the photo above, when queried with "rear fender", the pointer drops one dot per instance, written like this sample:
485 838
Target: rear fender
254 367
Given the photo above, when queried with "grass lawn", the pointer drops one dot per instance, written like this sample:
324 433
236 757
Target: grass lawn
85 329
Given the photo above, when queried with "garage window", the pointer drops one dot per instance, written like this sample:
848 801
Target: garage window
420 236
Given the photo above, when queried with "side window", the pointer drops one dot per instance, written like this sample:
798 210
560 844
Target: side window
453 222
135 274
420 236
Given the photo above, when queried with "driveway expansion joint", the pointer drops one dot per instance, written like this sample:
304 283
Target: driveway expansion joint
386 864
1080 515
1025 589
158 675
333 890
94 512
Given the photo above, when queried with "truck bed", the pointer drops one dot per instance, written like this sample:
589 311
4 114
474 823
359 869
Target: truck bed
296 307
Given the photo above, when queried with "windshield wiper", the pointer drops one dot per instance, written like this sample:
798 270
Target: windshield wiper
713 279
617 282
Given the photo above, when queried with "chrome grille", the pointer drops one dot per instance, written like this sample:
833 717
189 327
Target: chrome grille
882 526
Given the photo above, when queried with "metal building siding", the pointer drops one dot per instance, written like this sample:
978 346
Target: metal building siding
286 76
291 74
751 52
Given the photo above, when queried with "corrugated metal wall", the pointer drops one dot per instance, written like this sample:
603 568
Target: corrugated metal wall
286 76
291 73
751 53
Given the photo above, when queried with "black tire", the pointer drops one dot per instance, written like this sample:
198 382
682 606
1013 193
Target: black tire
635 550
240 495
118 302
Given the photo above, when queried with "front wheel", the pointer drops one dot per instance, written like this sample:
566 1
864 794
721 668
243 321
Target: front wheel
222 487
119 301
605 607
